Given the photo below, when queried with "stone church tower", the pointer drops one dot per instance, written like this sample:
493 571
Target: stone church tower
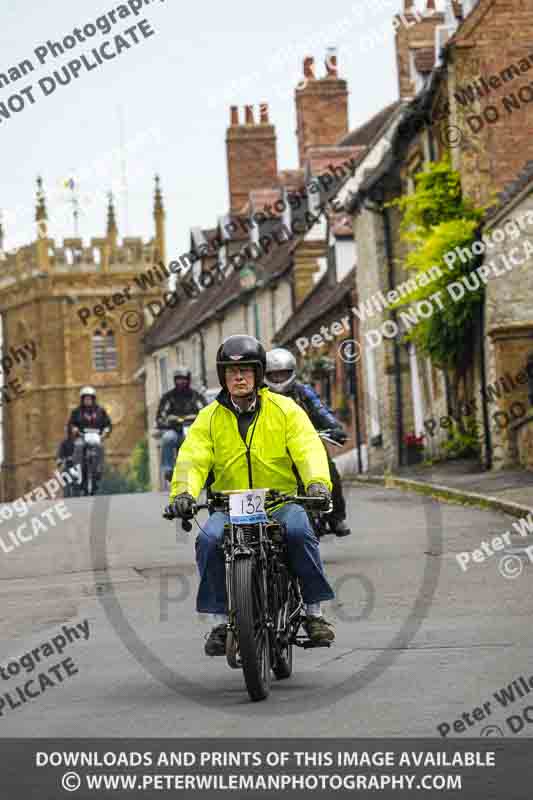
43 286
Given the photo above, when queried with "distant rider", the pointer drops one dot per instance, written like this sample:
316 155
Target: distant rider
280 377
181 401
65 451
89 415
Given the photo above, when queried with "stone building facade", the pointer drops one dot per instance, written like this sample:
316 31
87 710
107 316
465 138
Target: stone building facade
509 328
43 287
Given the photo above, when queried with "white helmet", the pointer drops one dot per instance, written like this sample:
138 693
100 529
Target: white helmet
87 390
278 360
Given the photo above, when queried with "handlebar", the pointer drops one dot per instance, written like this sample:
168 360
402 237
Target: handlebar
327 436
221 500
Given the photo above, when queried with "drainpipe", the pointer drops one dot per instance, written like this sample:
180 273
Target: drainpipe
397 365
483 366
357 417
203 366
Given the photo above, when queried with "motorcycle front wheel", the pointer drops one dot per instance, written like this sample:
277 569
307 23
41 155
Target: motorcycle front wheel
252 632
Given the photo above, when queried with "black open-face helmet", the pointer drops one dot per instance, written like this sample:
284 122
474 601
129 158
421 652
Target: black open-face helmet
241 349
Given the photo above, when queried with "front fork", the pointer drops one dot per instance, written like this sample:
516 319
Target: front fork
240 550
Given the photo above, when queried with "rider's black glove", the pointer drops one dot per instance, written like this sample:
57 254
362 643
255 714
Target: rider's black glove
183 505
338 435
319 490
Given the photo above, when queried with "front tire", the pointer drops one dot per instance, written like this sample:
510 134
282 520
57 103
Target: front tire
254 644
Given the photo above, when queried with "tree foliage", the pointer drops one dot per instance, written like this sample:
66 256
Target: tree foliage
436 220
139 467
135 478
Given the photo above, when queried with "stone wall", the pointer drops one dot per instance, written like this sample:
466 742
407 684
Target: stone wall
509 335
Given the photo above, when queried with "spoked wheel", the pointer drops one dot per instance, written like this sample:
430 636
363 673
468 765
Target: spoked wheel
283 656
232 651
254 645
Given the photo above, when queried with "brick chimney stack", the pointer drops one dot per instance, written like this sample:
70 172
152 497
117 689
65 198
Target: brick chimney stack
321 107
414 31
252 155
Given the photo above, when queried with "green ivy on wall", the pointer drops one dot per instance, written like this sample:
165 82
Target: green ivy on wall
437 219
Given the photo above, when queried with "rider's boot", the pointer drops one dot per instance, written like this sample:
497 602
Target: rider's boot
216 641
339 526
318 630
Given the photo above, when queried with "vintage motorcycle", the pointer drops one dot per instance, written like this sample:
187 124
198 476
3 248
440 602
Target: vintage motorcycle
92 439
265 605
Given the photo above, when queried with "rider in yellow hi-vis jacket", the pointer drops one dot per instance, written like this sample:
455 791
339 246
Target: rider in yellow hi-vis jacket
281 434
250 437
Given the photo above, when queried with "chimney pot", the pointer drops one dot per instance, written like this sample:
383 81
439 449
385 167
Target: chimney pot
234 115
331 62
263 111
309 67
249 115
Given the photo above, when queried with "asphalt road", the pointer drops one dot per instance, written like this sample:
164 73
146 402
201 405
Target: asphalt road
418 641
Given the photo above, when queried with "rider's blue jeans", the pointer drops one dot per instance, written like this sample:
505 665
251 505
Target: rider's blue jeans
304 559
169 442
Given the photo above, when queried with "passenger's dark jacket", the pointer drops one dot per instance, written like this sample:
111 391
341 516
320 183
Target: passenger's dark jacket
180 404
319 414
95 417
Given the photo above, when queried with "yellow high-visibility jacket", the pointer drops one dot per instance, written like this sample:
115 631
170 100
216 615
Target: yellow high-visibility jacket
279 436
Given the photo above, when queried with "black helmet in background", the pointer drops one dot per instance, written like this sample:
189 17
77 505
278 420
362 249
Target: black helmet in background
243 350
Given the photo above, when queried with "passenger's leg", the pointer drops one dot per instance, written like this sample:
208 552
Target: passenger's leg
306 563
338 514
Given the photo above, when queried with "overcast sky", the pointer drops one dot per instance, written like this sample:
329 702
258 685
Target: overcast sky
175 88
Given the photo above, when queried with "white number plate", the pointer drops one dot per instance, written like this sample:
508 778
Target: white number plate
248 506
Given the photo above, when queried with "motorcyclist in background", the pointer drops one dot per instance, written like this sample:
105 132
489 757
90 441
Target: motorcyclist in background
180 401
65 457
89 415
65 451
280 377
